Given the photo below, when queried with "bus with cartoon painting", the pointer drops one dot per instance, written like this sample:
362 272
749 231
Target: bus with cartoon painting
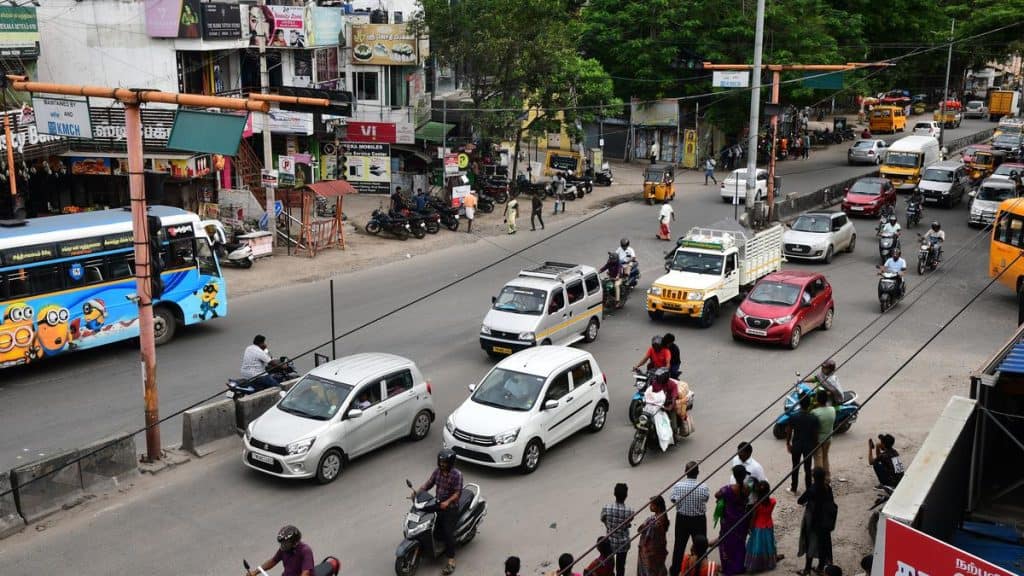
67 282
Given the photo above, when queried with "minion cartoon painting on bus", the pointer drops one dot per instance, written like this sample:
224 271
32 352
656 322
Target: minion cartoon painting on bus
208 300
17 334
94 314
53 331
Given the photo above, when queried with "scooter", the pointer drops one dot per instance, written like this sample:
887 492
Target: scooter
887 242
604 177
239 255
330 566
913 212
421 538
889 291
282 371
928 254
641 381
846 413
584 185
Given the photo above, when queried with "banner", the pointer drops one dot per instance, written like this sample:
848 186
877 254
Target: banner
62 117
383 45
372 132
368 167
285 122
909 552
19 31
730 79
690 149
90 166
172 18
323 26
108 130
221 21
284 26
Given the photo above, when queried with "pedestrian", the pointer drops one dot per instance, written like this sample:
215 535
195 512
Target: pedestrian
732 535
537 211
675 364
818 521
691 499
697 562
397 200
469 204
755 472
800 443
511 213
617 518
653 547
807 145
826 416
654 151
604 564
709 170
421 200
798 146
529 173
762 553
665 218
512 566
565 562
558 185
885 460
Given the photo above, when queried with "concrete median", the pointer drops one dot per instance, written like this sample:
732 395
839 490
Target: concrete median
47 486
204 426
11 521
108 464
252 406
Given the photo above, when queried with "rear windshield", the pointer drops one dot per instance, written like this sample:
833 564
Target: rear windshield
1007 169
924 125
864 144
880 114
974 104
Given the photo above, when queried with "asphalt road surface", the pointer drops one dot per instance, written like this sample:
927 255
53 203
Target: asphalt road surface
205 518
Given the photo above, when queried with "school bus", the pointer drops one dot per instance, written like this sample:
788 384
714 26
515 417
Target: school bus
1006 250
887 119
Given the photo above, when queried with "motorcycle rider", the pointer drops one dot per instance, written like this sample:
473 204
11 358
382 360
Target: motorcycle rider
891 225
829 381
897 265
295 554
627 258
936 236
257 364
613 268
665 384
657 356
448 482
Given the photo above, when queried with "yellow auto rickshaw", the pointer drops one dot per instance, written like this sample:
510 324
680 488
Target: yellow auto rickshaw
659 183
984 163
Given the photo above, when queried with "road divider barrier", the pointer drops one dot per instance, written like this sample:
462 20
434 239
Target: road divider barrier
48 485
251 407
108 464
11 521
202 427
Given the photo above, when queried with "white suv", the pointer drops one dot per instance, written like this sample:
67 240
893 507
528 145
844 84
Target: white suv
927 128
735 184
526 404
340 410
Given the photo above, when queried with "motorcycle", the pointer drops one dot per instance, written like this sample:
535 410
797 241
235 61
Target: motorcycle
887 242
330 566
652 427
449 215
236 254
913 211
485 204
283 370
882 494
928 254
846 413
420 523
583 184
430 218
636 403
417 222
604 177
400 227
496 189
889 291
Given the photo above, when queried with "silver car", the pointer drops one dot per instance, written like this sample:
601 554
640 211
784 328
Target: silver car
975 109
866 152
340 410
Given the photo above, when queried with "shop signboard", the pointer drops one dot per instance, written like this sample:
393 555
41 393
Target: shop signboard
173 19
268 177
561 161
405 133
451 163
108 132
323 25
690 149
384 45
368 167
90 166
286 165
372 132
909 552
221 21
62 117
287 122
19 31
283 24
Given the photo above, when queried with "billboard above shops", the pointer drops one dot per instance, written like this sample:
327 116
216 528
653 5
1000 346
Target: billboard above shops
19 31
909 552
386 45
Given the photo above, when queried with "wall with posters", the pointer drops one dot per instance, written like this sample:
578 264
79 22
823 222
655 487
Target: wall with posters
285 25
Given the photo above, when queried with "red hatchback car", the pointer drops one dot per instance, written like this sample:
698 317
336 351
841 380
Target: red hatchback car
867 196
783 307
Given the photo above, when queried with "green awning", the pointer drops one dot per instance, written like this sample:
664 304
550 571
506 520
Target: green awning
433 132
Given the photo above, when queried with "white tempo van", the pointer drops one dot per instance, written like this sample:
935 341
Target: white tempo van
555 303
907 158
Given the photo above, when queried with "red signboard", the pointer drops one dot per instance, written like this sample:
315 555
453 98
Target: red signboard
909 552
372 132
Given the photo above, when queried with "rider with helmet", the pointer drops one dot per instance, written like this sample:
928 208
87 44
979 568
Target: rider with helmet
936 236
657 356
627 257
448 482
613 268
896 264
891 225
295 554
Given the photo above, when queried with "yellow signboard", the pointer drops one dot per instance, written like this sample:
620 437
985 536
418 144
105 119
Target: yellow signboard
385 45
690 149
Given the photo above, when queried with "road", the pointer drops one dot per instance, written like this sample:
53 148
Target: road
205 517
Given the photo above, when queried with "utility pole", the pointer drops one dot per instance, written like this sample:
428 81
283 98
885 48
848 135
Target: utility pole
945 90
755 113
132 100
268 154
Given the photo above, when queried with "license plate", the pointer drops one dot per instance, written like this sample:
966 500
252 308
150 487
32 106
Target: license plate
670 306
501 350
261 458
857 208
756 332
410 517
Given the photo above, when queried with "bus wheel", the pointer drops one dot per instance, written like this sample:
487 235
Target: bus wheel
164 325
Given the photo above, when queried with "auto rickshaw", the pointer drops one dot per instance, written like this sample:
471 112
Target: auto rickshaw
659 183
984 163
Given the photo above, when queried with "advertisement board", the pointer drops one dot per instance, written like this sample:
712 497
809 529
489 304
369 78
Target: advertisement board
62 117
730 79
368 167
384 45
19 31
323 26
221 21
286 122
561 161
173 19
690 149
657 113
284 25
909 552
372 132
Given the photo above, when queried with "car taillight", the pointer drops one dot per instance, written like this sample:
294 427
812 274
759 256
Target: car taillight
871 152
430 389
605 378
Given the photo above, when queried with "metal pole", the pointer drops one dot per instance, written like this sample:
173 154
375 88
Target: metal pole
755 109
10 153
143 271
444 127
268 154
945 90
696 130
775 137
334 338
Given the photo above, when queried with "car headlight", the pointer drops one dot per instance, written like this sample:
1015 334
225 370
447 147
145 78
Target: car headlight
449 425
528 336
485 330
694 295
248 432
783 319
507 437
740 314
301 447
655 291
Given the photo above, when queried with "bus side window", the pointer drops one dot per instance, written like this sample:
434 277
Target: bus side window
92 272
17 283
121 266
44 279
179 253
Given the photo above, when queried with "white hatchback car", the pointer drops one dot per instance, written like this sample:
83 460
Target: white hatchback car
526 404
927 128
735 184
338 411
818 236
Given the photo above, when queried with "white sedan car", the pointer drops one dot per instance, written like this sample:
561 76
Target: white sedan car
735 184
818 236
927 128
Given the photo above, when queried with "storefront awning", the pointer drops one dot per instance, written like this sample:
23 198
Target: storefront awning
433 131
419 153
332 188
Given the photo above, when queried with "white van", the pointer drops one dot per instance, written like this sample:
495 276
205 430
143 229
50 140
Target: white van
556 303
907 158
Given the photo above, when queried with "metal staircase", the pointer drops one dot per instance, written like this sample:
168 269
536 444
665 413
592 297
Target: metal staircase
249 166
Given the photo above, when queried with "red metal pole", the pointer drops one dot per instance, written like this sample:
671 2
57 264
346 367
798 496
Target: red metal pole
143 287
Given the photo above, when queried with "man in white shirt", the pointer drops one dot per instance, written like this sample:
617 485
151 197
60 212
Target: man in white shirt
891 226
256 361
665 218
627 259
755 472
898 265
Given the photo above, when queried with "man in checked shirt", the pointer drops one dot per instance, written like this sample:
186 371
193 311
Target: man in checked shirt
691 499
616 519
448 482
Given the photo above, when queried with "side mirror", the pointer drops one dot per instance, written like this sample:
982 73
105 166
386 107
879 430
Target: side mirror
354 413
805 304
550 404
472 387
282 393
494 299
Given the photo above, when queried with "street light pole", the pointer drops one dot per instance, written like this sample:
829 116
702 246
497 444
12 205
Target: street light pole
755 111
945 90
268 154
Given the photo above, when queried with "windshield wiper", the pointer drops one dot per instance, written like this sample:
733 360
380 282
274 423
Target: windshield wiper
298 412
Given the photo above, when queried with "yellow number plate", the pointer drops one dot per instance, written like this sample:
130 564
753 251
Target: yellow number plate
502 350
